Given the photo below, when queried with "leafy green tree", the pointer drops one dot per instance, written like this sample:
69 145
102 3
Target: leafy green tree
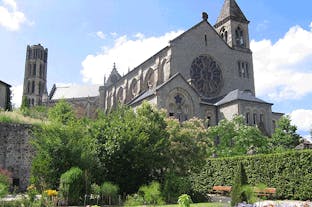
59 147
151 193
240 180
109 191
285 135
235 138
71 185
132 146
62 113
188 145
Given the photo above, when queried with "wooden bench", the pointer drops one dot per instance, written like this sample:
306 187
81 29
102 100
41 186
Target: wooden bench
222 189
265 191
259 192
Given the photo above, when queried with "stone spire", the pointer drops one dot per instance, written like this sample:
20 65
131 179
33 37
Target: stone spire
231 11
113 77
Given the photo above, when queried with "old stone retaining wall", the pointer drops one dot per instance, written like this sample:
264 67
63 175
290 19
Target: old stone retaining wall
16 152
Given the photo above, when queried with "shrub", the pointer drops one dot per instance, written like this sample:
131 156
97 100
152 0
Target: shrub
184 200
109 190
237 193
174 186
289 173
151 193
71 185
134 200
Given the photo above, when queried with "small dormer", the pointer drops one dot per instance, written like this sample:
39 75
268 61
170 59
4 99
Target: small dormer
232 26
113 77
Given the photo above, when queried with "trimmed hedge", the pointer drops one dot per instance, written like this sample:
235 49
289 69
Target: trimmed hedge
290 173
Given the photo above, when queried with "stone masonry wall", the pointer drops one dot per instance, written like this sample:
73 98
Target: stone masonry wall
16 152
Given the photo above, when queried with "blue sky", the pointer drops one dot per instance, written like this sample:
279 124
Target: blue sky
85 38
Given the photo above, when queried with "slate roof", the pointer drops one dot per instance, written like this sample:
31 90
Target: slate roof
231 10
4 83
240 95
73 91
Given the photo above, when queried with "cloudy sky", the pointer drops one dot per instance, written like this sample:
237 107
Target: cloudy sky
86 37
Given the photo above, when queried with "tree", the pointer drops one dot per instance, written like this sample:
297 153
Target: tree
285 136
188 145
151 194
240 180
59 147
109 190
132 146
71 185
235 138
62 113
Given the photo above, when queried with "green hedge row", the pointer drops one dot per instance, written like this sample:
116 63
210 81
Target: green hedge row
290 173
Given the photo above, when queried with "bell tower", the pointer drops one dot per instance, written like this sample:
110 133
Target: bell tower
35 78
232 26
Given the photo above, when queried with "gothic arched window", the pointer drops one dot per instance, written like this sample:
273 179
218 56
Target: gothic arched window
224 34
33 87
239 37
149 79
134 88
28 87
120 95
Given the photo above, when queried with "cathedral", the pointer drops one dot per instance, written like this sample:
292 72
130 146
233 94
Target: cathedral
206 72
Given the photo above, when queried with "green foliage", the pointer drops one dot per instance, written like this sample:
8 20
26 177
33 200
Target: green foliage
238 194
188 145
235 138
71 185
24 106
8 105
62 113
151 194
58 148
285 136
109 191
289 173
184 200
134 200
3 190
5 177
174 186
132 146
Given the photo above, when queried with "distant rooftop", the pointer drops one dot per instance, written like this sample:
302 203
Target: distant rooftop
240 95
62 91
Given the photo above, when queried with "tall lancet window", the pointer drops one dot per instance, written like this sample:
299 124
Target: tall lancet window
224 34
239 37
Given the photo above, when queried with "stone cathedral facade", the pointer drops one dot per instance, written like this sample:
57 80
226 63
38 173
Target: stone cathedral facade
206 72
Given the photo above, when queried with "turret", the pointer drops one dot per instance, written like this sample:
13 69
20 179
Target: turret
232 25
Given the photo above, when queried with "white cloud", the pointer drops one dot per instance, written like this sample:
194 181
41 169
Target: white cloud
283 70
126 52
100 35
10 17
17 93
10 3
302 118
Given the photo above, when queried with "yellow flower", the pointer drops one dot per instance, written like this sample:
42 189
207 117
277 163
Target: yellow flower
50 192
31 187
